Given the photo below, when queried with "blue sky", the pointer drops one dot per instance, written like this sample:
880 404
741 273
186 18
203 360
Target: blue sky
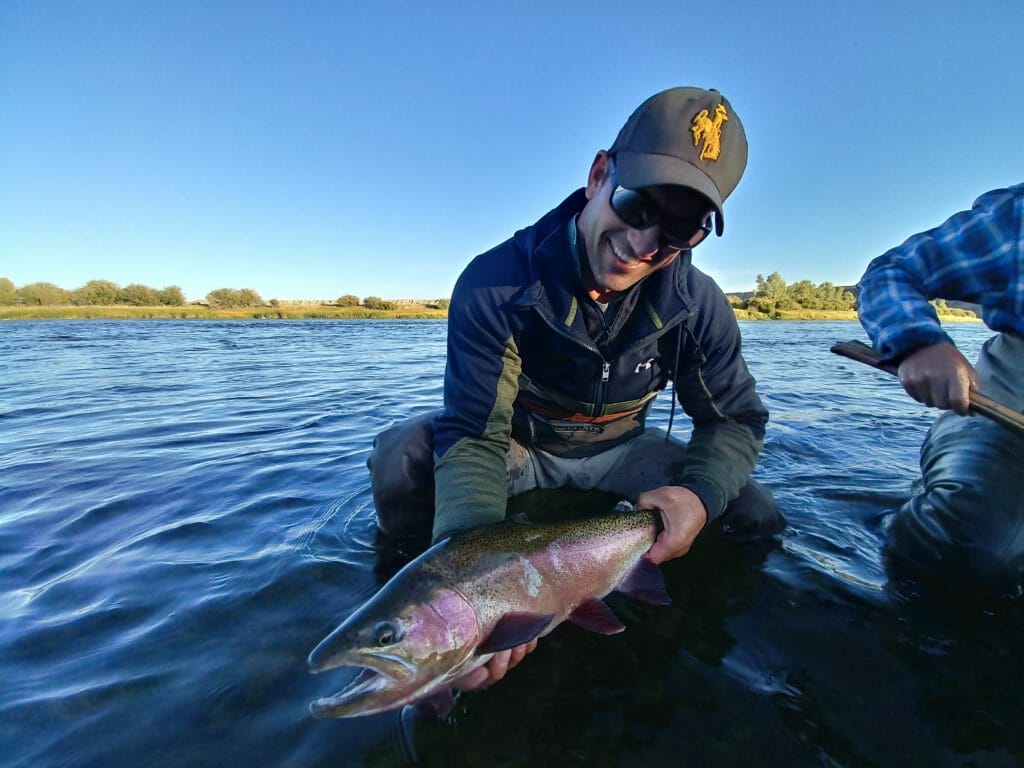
314 149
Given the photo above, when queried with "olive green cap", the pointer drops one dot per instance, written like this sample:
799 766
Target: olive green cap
689 137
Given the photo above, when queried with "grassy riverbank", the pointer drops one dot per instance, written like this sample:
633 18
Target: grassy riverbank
946 316
200 312
331 312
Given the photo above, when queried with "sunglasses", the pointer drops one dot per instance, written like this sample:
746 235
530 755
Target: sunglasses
637 210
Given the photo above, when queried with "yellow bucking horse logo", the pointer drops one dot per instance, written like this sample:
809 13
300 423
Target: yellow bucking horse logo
710 131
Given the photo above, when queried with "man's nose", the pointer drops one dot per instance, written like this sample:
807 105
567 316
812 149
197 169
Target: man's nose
645 242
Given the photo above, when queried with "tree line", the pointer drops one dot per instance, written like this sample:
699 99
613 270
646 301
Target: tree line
772 293
376 302
106 293
93 293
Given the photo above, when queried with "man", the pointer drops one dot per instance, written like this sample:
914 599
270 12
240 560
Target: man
560 338
968 520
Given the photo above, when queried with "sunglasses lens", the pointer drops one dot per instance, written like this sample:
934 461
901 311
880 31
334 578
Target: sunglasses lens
676 234
633 209
673 235
639 212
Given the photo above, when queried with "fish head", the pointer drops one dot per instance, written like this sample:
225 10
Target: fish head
406 645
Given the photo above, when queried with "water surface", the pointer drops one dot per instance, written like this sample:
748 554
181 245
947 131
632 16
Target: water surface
185 512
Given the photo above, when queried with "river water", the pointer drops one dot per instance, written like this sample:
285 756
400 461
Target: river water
185 512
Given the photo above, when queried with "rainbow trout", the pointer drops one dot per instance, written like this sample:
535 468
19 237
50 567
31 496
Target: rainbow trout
479 592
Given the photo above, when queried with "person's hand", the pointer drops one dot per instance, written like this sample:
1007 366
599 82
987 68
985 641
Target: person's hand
495 668
938 375
684 517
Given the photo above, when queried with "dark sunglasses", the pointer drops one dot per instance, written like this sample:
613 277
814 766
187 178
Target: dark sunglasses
638 211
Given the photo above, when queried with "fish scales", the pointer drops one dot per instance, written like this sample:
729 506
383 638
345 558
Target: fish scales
485 589
496 562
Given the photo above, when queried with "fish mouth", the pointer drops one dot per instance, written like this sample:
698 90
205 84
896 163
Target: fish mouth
381 683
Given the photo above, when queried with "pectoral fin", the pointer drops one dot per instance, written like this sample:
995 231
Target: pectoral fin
514 629
596 616
646 583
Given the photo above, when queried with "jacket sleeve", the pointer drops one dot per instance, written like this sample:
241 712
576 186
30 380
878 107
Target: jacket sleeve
973 256
471 437
717 390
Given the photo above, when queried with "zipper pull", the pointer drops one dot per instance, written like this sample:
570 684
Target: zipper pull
606 370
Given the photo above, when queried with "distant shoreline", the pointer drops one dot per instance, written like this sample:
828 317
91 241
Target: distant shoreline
202 312
331 312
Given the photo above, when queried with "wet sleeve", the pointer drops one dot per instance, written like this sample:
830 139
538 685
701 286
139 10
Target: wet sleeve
471 437
718 393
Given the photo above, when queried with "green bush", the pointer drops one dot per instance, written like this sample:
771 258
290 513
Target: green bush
8 293
376 302
138 295
97 293
43 295
348 300
801 295
227 298
171 296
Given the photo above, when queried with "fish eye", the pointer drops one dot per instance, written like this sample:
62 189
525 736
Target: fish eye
387 633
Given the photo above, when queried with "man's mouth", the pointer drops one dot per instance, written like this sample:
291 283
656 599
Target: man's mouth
622 256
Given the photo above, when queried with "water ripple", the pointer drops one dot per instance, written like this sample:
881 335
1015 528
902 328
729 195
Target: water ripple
185 512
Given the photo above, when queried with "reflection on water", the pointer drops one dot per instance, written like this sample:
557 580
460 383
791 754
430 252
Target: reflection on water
185 512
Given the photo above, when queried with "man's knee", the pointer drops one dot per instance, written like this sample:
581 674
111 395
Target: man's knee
752 515
402 477
932 543
967 524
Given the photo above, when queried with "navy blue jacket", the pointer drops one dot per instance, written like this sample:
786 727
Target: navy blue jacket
531 356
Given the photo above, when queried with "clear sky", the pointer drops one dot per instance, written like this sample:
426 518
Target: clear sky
314 149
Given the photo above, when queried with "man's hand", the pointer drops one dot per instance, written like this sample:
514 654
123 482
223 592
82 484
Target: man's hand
938 375
684 517
495 668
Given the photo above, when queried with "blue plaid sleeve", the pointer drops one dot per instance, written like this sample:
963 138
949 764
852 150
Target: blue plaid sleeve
974 256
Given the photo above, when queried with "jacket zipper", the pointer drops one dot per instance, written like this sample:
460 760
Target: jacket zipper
606 367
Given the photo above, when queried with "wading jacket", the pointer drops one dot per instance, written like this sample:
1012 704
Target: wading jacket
532 357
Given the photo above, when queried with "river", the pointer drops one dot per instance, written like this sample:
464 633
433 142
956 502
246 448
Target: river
185 512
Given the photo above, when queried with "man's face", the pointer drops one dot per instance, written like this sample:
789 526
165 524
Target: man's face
619 256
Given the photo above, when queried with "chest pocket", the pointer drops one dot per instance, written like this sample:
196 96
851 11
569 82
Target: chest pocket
649 374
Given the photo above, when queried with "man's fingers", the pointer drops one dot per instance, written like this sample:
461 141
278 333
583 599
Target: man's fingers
475 679
498 666
939 375
959 398
520 651
658 553
662 549
495 668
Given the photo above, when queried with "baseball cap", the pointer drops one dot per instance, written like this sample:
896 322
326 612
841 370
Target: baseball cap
690 137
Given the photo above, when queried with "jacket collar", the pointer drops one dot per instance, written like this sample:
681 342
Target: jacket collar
556 289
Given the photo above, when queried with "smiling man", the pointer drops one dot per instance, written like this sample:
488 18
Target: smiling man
560 338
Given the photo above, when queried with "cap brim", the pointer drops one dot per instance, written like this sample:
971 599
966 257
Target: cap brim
634 170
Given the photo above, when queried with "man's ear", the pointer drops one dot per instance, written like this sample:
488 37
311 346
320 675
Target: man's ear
599 170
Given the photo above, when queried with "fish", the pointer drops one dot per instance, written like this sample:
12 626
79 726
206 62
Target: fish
481 591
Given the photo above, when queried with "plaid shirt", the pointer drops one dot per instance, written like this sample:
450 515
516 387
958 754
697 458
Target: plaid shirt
975 256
